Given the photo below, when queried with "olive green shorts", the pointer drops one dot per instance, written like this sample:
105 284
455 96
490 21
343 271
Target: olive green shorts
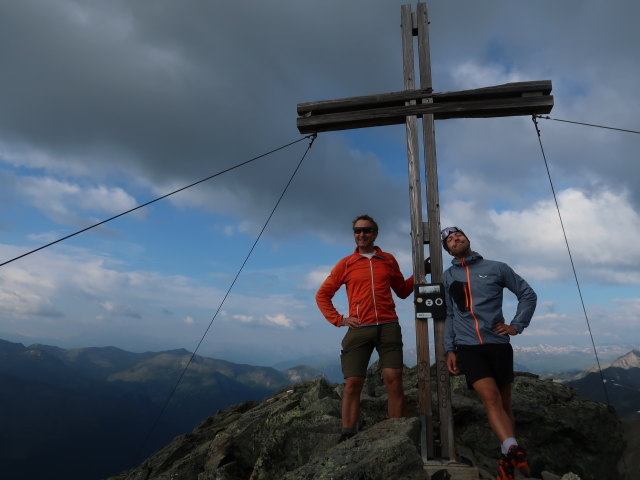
358 345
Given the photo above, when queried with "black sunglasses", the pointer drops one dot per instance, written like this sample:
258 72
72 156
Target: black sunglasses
357 230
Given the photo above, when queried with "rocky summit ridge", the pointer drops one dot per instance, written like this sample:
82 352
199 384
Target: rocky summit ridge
293 435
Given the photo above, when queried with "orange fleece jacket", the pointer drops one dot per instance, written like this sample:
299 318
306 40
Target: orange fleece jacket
369 283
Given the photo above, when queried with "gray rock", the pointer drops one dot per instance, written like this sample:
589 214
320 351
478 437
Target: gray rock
560 431
570 476
396 456
294 434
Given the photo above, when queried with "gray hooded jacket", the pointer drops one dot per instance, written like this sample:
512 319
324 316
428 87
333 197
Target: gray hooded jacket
474 291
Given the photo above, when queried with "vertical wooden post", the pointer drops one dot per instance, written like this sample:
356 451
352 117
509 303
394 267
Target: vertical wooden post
417 238
433 237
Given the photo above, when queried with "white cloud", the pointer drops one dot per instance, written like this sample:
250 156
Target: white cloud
472 74
625 314
312 280
78 286
86 293
117 309
25 293
546 306
108 199
61 200
600 229
280 320
35 159
617 277
276 320
44 237
538 272
598 226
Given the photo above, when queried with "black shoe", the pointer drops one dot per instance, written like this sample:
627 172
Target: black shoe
345 436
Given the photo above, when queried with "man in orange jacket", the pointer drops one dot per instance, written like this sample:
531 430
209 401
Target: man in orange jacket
369 275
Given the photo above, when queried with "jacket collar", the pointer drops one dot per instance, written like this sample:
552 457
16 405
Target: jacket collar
474 257
377 252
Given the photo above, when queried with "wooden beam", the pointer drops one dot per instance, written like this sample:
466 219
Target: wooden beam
515 89
417 236
447 437
483 108
422 325
392 99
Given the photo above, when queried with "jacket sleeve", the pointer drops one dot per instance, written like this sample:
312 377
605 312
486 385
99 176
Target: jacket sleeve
326 292
527 298
403 288
449 332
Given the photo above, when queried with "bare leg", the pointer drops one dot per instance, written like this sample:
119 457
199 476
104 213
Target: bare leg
351 401
500 420
395 393
505 393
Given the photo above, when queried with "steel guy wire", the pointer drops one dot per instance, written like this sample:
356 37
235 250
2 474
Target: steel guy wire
586 124
184 370
157 199
575 275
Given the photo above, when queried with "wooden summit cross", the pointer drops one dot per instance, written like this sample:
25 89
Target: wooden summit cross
522 98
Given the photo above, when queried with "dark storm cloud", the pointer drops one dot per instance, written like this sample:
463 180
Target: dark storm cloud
170 85
170 91
588 50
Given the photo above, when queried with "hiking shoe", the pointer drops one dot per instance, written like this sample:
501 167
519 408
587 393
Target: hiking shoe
518 458
505 468
345 436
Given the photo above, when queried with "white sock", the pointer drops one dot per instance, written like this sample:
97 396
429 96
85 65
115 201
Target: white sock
507 444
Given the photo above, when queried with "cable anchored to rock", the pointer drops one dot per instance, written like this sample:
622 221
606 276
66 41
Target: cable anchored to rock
575 275
244 262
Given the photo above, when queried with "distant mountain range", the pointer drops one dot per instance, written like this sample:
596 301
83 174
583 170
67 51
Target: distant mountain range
91 412
541 359
87 413
538 359
620 388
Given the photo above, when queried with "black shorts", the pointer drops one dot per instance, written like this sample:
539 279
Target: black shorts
358 345
493 360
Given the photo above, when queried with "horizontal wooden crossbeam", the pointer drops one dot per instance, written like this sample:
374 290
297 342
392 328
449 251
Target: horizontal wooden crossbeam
521 98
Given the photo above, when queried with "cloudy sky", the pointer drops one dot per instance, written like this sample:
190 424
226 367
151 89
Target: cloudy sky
107 105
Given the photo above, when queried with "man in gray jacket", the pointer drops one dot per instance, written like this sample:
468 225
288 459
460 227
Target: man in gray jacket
477 337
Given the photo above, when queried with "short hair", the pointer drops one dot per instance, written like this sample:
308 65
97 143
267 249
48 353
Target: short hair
365 217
